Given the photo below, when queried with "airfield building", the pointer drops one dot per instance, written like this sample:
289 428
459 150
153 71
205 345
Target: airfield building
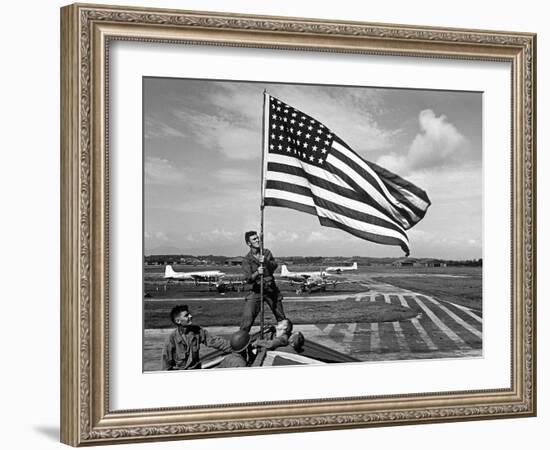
238 261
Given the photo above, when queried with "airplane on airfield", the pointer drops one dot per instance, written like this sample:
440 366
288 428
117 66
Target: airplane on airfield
309 281
300 276
197 277
215 279
230 283
340 269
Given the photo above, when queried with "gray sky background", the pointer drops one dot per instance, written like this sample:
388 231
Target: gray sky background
202 165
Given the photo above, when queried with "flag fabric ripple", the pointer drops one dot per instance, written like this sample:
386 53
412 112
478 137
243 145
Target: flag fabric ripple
308 168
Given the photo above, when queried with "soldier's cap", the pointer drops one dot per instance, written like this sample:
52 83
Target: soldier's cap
239 340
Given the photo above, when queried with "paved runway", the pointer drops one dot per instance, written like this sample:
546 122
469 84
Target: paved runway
439 329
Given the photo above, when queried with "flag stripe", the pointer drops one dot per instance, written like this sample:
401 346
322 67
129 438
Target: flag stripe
344 150
388 176
340 186
305 200
370 178
284 203
409 196
361 186
348 222
373 237
360 227
340 205
338 196
364 182
340 180
416 205
274 185
313 176
307 168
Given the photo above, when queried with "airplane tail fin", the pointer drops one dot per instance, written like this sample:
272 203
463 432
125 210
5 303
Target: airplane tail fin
354 267
284 270
169 272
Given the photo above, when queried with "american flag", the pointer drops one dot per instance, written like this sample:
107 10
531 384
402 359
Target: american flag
308 168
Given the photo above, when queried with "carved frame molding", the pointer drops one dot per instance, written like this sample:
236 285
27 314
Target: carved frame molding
86 32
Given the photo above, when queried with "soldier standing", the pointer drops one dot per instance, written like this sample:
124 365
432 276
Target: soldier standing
254 266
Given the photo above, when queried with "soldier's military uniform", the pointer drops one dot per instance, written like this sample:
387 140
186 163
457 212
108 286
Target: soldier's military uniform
233 360
182 346
272 295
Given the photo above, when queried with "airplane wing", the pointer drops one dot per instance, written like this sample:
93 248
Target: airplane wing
198 277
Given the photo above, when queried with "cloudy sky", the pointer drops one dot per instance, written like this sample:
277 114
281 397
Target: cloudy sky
202 165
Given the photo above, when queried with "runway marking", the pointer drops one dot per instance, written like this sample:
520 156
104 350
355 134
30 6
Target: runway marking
402 300
423 334
450 333
387 298
457 319
329 328
401 340
468 311
349 332
374 337
471 312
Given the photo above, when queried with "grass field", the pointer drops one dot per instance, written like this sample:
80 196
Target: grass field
228 312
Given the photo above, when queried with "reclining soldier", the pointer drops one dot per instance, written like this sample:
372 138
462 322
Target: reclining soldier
284 340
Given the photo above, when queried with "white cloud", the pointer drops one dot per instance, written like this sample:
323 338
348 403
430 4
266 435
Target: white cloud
439 144
155 238
234 176
161 171
239 143
317 236
235 139
156 129
161 236
394 163
282 237
217 235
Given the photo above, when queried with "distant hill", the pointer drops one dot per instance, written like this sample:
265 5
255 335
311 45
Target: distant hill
170 255
164 250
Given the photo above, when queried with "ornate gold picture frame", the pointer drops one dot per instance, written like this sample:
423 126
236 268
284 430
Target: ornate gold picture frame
87 34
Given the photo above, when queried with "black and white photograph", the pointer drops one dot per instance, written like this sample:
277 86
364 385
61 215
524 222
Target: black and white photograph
354 212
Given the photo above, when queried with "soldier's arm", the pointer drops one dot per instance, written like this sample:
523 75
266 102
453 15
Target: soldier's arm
167 361
272 344
248 272
269 261
213 341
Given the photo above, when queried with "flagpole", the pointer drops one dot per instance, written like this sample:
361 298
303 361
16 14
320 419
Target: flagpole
264 137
